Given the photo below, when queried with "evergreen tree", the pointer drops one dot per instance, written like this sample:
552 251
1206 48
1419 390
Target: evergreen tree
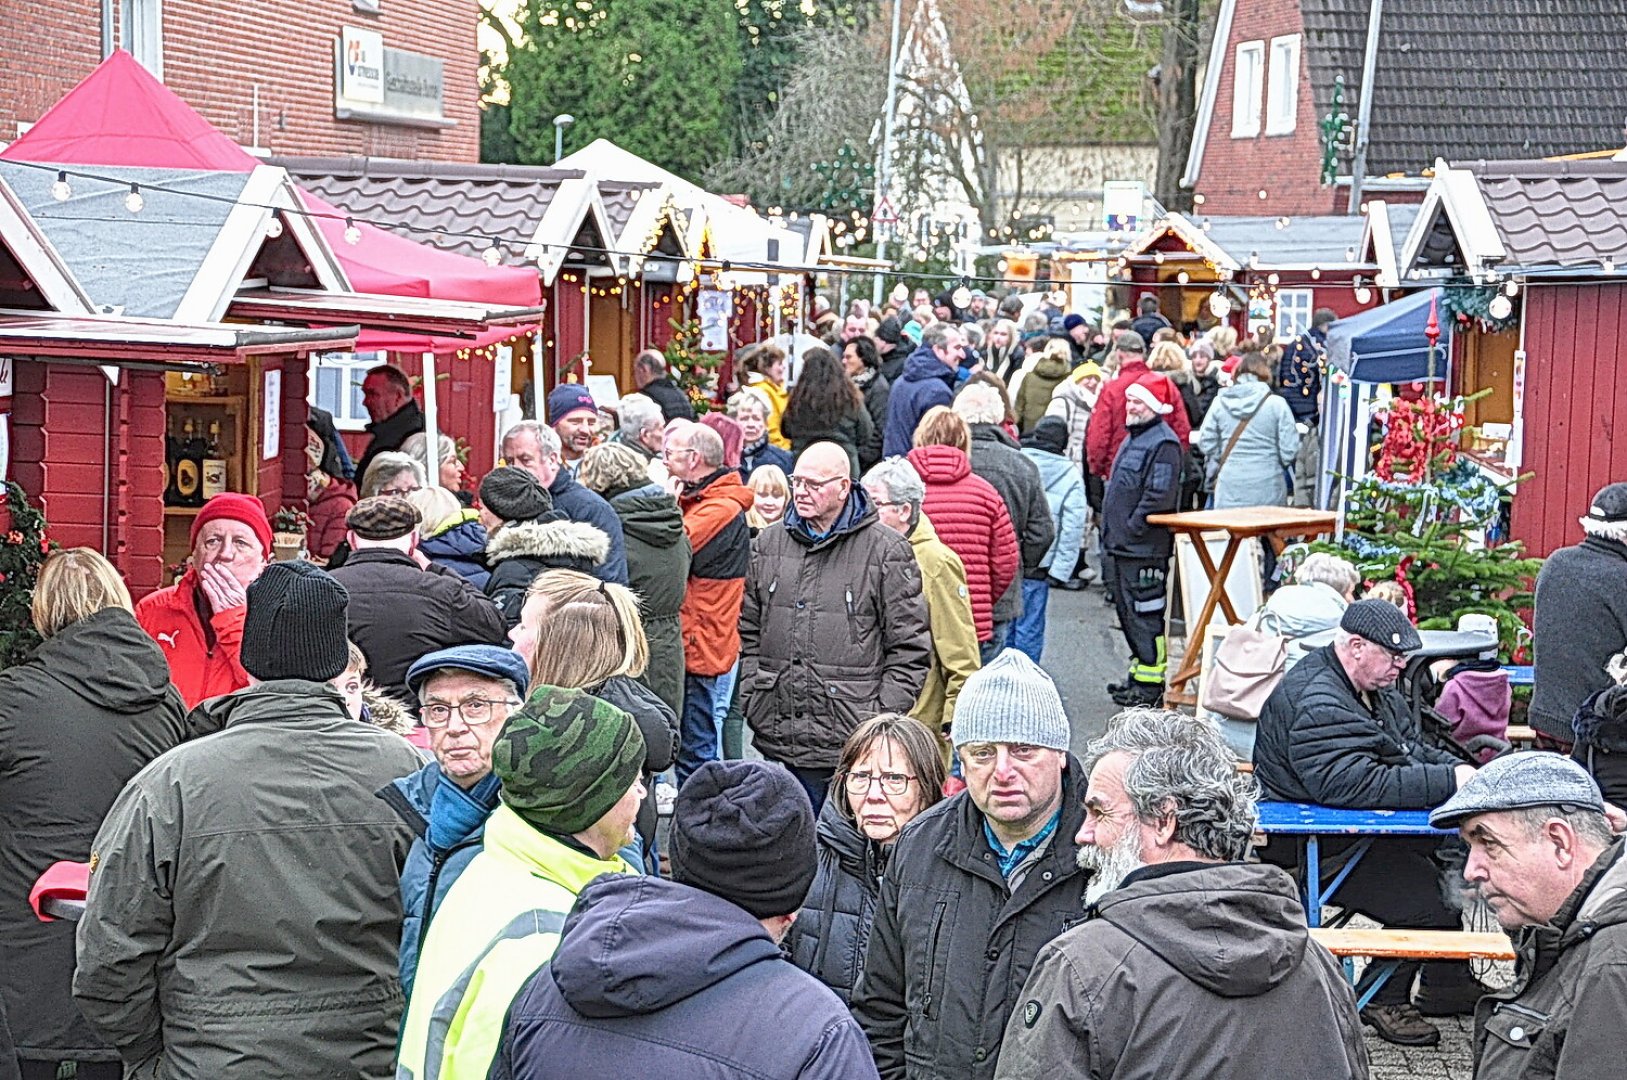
656 77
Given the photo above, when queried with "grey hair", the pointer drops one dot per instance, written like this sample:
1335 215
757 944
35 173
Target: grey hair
902 482
706 443
650 360
938 334
386 466
1181 767
417 444
1336 573
547 438
640 413
1590 825
979 403
973 334
748 396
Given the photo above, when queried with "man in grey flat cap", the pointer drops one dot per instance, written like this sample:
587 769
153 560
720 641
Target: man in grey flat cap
1543 855
1336 732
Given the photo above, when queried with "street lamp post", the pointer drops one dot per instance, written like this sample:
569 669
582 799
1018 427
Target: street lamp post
884 174
561 122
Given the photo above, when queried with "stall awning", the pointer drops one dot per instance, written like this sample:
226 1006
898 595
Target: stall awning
121 115
119 341
1387 344
398 314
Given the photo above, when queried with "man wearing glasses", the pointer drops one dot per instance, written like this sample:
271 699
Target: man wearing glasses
1336 732
834 627
978 884
464 695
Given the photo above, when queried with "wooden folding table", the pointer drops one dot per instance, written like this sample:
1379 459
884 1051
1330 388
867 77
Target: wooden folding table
1274 524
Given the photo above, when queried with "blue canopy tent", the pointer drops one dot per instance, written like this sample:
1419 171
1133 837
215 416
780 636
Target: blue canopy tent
1383 345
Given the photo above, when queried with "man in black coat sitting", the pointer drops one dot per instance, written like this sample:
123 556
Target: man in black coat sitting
1336 732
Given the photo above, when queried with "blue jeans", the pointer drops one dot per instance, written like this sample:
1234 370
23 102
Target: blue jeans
996 644
1028 632
697 727
721 697
816 782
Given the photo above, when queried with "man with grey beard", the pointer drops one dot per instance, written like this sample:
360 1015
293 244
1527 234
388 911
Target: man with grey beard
1191 961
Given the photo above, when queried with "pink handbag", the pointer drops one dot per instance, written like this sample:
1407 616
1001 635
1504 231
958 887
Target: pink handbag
1248 664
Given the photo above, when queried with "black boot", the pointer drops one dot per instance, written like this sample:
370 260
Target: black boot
1139 693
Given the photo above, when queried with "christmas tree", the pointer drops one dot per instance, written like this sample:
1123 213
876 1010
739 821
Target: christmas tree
1426 518
694 369
23 549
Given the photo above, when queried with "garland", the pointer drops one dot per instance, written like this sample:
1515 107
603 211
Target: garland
24 549
1467 304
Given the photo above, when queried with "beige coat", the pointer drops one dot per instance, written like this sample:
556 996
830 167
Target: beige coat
949 615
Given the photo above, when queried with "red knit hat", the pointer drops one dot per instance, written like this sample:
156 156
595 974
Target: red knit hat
231 506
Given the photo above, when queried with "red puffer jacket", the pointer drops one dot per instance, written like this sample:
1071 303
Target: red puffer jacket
971 518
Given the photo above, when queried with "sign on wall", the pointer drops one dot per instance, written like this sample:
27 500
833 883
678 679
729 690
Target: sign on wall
361 66
714 306
387 86
6 375
271 409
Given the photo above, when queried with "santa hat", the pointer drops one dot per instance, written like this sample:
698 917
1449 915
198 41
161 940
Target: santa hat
1144 391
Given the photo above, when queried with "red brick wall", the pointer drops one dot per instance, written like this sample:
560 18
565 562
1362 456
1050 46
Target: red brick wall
214 56
1286 167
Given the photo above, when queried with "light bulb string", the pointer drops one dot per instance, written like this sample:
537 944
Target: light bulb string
701 263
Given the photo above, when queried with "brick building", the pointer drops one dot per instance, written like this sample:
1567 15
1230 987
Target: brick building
1470 80
381 78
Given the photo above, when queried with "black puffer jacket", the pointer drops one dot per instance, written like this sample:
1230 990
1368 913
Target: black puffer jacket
399 611
658 571
78 719
519 552
1317 743
952 944
658 723
833 928
1579 620
1601 741
997 458
877 396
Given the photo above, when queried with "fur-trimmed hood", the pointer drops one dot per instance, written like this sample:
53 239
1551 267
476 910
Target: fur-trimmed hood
383 711
549 540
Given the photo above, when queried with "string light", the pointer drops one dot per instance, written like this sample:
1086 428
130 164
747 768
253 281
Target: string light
60 191
492 255
133 202
353 235
1511 290
274 227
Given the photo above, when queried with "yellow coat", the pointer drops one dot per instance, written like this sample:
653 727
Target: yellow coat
954 633
776 395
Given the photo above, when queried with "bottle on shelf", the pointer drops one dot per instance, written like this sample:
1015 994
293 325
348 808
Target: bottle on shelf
189 467
213 463
171 453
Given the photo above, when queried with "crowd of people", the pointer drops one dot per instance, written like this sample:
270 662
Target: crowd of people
394 810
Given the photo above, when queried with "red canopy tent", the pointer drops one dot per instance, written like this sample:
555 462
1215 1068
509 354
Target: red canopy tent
121 115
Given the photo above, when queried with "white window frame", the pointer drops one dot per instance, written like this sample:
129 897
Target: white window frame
349 414
1247 93
141 32
1282 86
1294 310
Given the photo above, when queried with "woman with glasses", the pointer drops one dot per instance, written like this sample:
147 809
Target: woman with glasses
890 771
580 633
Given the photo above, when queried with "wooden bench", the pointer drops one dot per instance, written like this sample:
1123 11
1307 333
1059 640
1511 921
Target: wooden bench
1388 948
1245 767
1520 735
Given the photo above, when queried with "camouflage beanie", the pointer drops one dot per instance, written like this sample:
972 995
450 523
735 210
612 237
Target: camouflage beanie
565 758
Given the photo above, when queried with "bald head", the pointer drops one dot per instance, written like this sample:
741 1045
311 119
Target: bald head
820 484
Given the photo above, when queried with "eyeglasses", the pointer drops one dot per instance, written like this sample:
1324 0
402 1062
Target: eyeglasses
474 711
892 783
673 451
985 753
808 483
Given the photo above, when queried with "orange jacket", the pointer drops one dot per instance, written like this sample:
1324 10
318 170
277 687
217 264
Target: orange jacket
202 665
715 519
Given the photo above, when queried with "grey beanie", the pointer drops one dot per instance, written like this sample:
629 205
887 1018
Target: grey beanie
1011 700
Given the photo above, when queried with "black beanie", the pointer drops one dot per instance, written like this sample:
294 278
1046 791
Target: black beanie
295 624
1051 434
744 831
514 494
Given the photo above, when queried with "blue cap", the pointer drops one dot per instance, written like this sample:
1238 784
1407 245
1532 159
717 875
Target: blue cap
493 661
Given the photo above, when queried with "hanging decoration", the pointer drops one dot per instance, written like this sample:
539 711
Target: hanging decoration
1487 306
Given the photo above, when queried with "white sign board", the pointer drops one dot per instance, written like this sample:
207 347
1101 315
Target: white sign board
714 306
1121 204
7 371
603 390
502 378
361 66
5 446
271 410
